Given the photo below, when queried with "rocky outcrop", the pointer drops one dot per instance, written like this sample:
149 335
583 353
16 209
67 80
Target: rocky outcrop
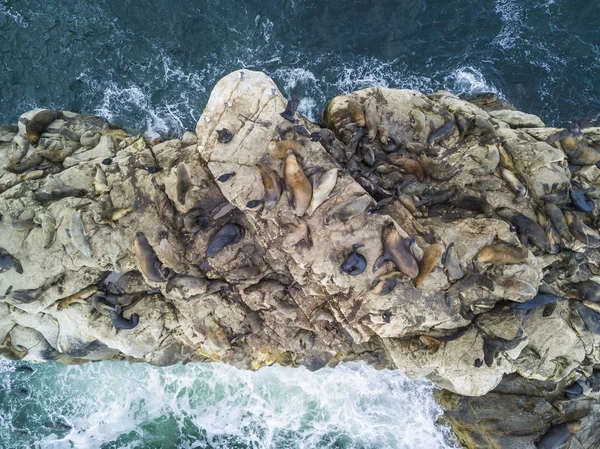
387 237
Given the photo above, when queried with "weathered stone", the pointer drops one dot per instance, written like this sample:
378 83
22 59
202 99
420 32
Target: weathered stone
518 119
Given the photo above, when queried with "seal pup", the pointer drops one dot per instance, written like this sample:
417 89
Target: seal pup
409 165
583 291
354 263
228 235
9 262
429 261
397 249
322 189
49 228
493 346
502 253
539 300
224 135
432 344
515 185
12 352
100 184
148 263
557 436
290 109
272 185
298 183
418 124
488 164
386 283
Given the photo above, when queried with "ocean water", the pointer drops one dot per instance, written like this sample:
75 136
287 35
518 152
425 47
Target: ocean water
150 66
118 405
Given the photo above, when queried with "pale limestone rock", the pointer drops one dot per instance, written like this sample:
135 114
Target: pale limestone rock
518 119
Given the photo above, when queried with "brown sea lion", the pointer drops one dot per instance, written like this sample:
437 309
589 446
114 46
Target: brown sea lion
397 249
272 185
372 118
430 259
298 183
502 253
432 344
357 114
582 232
384 284
150 266
436 171
409 165
280 148
36 125
183 182
322 189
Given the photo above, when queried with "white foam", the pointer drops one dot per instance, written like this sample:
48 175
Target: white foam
273 408
512 16
468 80
14 15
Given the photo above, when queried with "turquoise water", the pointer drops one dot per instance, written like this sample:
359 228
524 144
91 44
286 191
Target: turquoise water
118 405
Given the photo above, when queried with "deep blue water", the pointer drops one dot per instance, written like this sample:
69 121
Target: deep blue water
150 65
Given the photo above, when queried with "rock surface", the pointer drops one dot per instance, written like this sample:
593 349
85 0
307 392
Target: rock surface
235 270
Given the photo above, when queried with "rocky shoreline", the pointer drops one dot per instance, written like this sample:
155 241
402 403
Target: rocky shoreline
450 238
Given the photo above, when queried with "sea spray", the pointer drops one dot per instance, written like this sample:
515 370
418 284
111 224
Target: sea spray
115 404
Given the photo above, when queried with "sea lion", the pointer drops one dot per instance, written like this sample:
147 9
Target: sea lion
187 286
581 231
515 185
506 160
298 183
583 291
23 296
493 346
386 283
290 109
79 238
409 165
37 124
215 333
451 263
573 391
579 152
354 263
418 124
272 185
122 323
469 282
58 154
294 234
88 139
393 146
280 148
475 204
9 262
111 215
429 261
48 228
487 164
322 315
484 127
590 317
384 134
183 182
439 134
77 297
356 112
12 352
348 210
57 192
558 219
372 118
436 171
228 235
397 249
102 306
353 144
540 300
557 436
513 289
502 253
432 344
530 232
164 205
100 184
322 189
28 163
580 200
437 197
463 125
148 263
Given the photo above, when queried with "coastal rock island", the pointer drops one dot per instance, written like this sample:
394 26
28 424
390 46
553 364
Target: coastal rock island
451 238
